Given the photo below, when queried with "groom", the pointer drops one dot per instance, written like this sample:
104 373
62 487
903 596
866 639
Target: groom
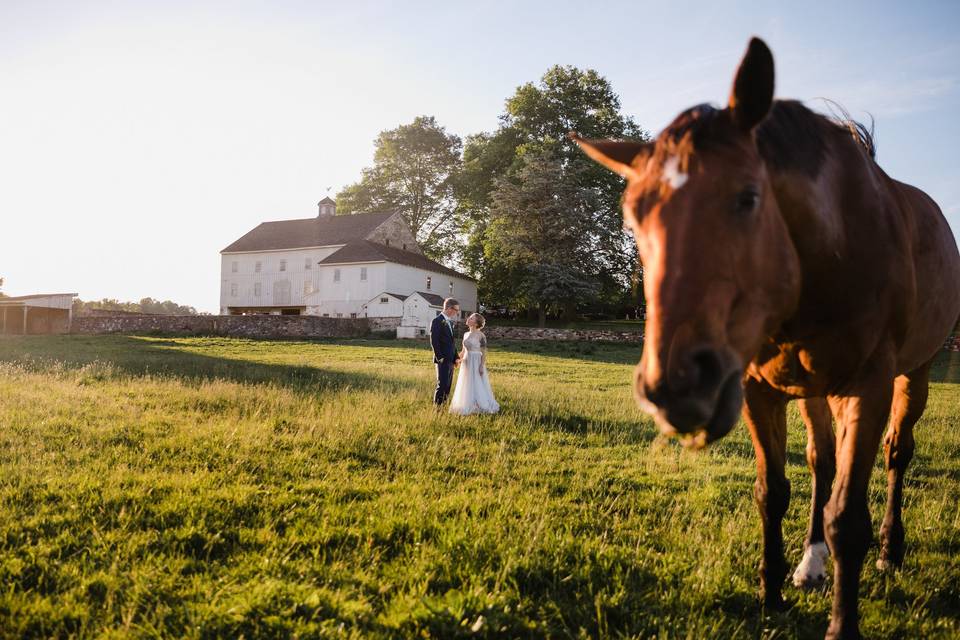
444 349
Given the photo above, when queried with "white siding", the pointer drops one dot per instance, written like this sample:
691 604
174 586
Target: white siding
270 277
392 308
418 312
350 294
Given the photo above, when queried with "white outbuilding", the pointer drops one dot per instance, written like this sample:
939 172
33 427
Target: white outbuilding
419 310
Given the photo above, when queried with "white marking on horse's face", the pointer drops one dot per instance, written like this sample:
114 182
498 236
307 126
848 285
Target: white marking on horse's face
672 174
812 570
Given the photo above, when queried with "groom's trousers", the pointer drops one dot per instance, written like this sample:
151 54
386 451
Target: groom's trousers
444 382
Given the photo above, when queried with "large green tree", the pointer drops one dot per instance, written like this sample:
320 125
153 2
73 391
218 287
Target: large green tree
413 172
536 121
539 218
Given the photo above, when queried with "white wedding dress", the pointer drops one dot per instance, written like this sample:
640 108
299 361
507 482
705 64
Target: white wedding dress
473 393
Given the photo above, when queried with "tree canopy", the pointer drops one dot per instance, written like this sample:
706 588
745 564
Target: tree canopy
531 142
413 172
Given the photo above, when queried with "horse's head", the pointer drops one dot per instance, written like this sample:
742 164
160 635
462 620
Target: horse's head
720 270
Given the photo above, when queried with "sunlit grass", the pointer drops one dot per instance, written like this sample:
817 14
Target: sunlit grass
207 487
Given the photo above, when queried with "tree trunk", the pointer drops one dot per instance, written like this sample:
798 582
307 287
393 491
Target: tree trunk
542 315
570 311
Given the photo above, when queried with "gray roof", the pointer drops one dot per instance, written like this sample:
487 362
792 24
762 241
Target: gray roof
432 298
367 251
398 296
33 296
309 232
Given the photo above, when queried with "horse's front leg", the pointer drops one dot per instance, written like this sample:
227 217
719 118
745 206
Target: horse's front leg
821 458
765 412
861 413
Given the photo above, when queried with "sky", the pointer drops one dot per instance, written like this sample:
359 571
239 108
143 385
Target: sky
138 139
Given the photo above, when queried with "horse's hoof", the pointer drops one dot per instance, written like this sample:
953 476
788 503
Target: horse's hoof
889 562
811 573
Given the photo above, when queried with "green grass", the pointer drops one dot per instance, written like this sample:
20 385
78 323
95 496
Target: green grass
208 487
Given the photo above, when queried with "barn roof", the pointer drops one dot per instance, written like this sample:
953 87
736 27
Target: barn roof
309 232
367 251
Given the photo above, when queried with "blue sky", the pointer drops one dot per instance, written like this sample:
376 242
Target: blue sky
139 139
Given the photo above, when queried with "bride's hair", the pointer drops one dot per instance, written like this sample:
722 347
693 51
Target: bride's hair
480 320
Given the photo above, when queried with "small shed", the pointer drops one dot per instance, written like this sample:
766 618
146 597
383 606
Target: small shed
419 310
385 305
37 314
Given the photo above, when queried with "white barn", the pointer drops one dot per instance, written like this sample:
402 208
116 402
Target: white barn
335 266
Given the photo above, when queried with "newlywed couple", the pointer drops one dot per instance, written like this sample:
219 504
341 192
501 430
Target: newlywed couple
473 393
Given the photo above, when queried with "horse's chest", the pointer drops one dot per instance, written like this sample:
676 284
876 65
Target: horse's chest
795 369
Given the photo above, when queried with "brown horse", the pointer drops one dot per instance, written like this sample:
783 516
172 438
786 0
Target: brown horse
782 263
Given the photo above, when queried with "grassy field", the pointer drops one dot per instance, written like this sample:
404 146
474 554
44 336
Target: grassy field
206 487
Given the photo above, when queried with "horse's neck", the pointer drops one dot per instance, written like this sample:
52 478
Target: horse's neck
830 216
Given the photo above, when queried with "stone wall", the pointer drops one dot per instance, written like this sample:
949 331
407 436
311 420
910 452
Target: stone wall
588 335
383 324
952 343
234 326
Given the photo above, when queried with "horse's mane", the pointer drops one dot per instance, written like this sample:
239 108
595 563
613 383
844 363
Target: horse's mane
791 138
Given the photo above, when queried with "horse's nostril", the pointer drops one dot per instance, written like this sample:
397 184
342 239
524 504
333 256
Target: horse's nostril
708 370
655 393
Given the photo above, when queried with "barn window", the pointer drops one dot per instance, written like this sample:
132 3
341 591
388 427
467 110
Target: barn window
384 300
363 274
404 246
429 282
353 315
451 287
339 315
234 266
326 315
233 289
257 266
336 275
388 242
257 289
307 264
283 265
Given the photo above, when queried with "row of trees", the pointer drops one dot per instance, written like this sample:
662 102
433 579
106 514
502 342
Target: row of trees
520 208
146 305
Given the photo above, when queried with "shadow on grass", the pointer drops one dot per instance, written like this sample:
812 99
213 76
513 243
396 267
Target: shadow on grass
136 357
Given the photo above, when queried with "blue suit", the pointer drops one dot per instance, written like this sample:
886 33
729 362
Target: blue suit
444 356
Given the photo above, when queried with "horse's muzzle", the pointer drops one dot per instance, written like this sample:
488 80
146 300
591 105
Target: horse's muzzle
700 399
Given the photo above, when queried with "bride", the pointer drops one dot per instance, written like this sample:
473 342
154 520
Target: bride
473 393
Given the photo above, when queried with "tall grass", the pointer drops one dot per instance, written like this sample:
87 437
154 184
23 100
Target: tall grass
205 487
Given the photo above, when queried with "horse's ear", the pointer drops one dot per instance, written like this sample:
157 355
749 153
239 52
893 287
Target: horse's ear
616 155
752 92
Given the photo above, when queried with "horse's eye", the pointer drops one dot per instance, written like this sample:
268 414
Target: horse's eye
747 200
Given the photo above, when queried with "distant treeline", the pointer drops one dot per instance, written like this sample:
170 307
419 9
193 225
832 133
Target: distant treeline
146 305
